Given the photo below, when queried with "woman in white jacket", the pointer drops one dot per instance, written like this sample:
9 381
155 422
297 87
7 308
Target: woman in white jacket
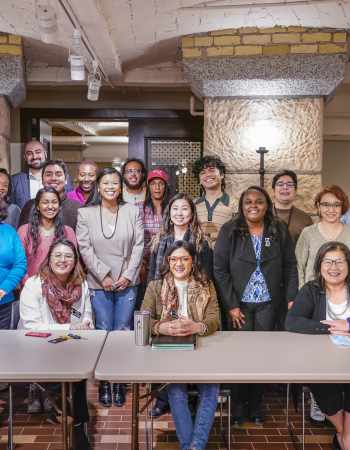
58 299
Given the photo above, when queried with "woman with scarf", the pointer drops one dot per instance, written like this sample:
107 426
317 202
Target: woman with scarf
45 227
58 299
183 302
180 223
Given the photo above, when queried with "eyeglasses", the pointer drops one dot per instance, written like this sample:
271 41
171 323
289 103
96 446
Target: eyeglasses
130 171
182 259
288 184
59 256
330 205
328 262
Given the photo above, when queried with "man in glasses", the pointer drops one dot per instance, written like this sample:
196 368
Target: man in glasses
134 175
284 185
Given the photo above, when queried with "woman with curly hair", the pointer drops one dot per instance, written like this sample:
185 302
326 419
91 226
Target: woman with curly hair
180 223
255 272
44 228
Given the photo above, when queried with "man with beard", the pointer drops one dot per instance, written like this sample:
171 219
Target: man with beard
134 175
54 174
25 185
87 172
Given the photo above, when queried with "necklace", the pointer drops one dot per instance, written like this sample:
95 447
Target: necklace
115 225
333 315
289 215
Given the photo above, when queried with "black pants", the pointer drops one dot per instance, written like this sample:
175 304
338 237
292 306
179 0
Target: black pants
80 406
258 317
5 316
331 398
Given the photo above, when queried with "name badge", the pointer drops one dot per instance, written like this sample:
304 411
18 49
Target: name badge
76 313
267 242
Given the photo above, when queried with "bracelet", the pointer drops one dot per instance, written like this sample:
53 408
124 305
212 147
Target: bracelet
348 321
204 329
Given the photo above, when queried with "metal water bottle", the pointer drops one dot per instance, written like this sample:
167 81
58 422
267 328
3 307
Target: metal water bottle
142 323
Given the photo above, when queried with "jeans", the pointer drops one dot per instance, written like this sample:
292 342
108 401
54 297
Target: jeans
5 316
114 310
193 435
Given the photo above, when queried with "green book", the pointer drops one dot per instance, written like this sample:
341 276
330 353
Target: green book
163 342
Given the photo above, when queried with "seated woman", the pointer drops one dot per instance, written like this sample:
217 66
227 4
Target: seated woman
58 299
319 308
182 303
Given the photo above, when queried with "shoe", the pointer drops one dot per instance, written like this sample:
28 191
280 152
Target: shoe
238 413
257 418
105 394
4 387
335 443
80 438
47 402
118 394
159 408
34 401
316 415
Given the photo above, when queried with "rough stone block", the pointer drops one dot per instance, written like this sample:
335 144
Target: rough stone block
3 39
203 41
277 49
223 32
304 48
331 48
248 50
12 50
227 40
275 29
316 37
5 118
340 37
187 41
247 30
286 38
294 29
12 79
14 39
4 153
220 51
256 39
191 52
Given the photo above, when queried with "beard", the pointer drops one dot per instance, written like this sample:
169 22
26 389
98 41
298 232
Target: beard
133 186
37 166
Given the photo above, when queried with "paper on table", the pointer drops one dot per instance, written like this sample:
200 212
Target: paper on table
341 341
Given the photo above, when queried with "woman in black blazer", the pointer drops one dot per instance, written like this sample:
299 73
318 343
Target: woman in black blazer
322 306
256 275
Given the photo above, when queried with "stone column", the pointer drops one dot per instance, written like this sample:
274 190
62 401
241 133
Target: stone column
12 89
266 87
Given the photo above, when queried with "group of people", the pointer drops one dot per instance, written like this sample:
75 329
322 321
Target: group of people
87 257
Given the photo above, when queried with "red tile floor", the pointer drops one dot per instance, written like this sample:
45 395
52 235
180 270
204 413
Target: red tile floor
110 428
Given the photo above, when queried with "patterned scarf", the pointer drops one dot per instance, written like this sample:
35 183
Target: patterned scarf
198 295
60 299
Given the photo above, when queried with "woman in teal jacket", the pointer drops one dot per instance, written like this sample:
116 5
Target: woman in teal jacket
13 266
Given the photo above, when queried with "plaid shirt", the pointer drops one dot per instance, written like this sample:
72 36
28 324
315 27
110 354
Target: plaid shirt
151 226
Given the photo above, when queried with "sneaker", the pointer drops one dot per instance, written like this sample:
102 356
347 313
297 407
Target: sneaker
315 413
34 402
47 402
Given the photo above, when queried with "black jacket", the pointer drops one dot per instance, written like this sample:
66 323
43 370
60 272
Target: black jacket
307 311
235 261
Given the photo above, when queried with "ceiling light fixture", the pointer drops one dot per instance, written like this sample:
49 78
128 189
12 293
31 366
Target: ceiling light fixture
94 83
47 21
76 58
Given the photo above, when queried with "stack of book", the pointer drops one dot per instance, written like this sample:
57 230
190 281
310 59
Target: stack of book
163 342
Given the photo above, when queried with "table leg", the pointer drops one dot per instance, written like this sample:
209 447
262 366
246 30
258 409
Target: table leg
64 416
10 420
135 417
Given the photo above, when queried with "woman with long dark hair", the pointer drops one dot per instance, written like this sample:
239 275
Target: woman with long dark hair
180 223
110 237
320 307
182 303
57 298
13 211
255 272
44 228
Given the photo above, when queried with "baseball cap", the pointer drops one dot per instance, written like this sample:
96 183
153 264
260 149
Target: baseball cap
158 173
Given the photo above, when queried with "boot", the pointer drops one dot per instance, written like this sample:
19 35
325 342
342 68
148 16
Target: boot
80 437
105 394
118 394
34 402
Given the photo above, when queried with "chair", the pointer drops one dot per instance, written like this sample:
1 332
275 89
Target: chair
224 397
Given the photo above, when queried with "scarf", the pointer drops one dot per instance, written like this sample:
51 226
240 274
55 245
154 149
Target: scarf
198 296
60 299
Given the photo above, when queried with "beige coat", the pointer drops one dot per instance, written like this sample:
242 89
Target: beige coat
152 302
119 256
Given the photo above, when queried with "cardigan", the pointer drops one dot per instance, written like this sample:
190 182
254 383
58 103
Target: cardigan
308 244
35 313
13 263
118 256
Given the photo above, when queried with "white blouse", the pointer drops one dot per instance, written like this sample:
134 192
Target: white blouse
181 287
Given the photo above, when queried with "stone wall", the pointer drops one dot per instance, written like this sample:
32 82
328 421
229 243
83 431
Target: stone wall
291 129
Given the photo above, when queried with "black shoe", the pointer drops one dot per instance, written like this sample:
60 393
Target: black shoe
238 413
105 394
160 407
118 394
80 439
256 416
335 443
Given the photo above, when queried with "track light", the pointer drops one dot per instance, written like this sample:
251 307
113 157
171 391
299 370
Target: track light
47 21
94 83
76 58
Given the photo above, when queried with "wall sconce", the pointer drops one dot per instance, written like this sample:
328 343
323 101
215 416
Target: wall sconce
76 58
94 83
47 21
